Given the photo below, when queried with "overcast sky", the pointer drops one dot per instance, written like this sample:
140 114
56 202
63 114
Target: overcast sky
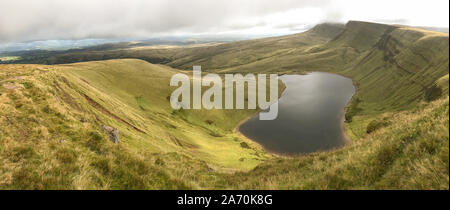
23 20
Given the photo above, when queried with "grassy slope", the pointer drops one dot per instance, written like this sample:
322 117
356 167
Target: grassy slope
129 82
50 139
411 153
56 112
408 150
392 66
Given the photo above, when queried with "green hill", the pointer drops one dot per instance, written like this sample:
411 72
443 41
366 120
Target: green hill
52 116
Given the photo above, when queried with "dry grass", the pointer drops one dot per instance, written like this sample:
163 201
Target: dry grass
51 137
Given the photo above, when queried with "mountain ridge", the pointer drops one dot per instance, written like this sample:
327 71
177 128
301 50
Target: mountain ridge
51 116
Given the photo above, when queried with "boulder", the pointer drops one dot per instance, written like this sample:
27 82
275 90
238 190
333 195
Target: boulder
112 133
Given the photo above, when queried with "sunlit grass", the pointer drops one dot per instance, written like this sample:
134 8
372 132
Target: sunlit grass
10 58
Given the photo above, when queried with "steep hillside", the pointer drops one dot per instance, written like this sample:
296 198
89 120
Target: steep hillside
51 138
45 109
53 117
210 56
394 67
240 53
138 92
411 152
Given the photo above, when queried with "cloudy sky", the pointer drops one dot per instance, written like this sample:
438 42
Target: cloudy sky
24 20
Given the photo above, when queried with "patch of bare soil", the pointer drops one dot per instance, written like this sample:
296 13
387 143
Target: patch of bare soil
105 111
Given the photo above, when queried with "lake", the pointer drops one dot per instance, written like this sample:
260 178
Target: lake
310 115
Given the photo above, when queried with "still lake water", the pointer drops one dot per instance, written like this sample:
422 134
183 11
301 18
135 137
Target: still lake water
310 115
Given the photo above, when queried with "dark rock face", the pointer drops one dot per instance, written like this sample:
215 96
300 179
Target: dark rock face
112 133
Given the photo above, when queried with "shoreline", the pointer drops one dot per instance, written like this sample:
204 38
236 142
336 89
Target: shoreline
345 137
239 133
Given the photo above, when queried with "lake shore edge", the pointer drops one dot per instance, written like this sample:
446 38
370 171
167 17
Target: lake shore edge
347 140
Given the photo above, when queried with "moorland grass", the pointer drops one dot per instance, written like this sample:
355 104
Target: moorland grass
51 117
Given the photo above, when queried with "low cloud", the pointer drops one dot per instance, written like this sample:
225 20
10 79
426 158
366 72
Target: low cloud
22 20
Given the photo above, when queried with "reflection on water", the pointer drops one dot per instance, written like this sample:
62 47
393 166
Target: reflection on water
309 118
